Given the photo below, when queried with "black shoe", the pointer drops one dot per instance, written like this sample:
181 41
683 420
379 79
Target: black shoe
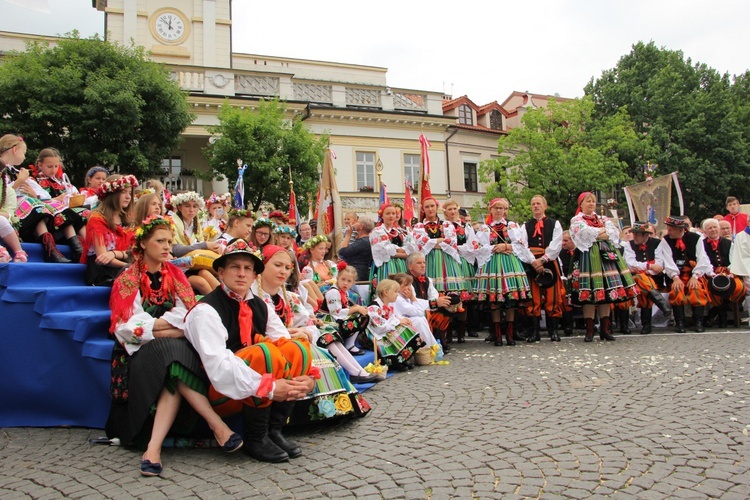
257 443
461 340
370 378
233 444
280 412
355 351
473 335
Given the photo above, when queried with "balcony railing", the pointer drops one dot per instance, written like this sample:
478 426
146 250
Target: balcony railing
175 183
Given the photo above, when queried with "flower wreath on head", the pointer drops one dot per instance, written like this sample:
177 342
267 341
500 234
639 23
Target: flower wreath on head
285 230
116 185
239 212
315 240
179 199
148 225
222 199
278 214
264 222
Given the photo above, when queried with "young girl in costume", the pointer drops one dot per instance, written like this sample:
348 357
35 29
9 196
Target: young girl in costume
218 214
600 276
94 178
189 238
109 235
396 341
501 279
262 230
348 318
36 219
333 395
284 236
408 306
390 244
319 270
154 367
48 172
7 214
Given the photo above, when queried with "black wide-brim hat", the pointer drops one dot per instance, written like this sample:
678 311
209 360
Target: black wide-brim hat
677 221
722 285
640 227
545 279
238 246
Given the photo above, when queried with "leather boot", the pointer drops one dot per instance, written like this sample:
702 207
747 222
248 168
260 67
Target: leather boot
509 327
589 330
698 319
535 335
568 323
460 332
679 319
605 329
449 333
280 412
645 320
660 301
258 445
623 319
552 329
498 332
76 249
523 327
723 315
51 252
441 336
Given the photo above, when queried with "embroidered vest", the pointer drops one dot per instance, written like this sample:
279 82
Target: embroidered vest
229 311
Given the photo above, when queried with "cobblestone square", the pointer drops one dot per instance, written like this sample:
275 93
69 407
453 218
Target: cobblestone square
646 416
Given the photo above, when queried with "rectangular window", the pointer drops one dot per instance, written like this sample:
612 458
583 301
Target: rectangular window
411 170
471 183
172 166
465 115
365 171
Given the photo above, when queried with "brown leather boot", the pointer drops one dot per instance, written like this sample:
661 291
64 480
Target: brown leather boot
605 329
589 330
498 331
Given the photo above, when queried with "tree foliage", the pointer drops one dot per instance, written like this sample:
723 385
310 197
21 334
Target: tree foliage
558 152
269 143
98 103
697 120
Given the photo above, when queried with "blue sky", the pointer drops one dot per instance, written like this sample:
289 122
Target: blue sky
482 49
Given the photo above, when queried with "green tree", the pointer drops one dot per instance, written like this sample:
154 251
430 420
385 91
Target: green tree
558 152
269 142
98 103
696 118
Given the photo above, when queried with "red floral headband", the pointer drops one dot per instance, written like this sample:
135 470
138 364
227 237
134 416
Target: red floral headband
116 185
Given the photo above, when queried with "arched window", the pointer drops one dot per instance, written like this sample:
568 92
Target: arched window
464 115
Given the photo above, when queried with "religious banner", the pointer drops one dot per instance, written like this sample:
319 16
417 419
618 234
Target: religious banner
651 200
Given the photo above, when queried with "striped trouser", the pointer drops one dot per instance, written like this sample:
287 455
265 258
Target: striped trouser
645 283
737 295
696 298
284 358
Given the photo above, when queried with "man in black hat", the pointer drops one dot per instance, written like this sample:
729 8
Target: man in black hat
643 255
253 365
544 237
725 288
686 266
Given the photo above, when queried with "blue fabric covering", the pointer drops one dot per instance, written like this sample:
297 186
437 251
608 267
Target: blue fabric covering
56 349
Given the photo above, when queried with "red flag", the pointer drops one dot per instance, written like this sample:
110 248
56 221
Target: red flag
408 204
424 163
293 212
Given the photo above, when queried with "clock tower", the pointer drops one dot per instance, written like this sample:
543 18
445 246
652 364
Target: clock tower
179 32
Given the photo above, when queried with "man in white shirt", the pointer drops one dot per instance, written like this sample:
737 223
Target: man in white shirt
253 365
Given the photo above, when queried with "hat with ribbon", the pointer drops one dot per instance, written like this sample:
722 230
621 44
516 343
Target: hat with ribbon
238 246
677 221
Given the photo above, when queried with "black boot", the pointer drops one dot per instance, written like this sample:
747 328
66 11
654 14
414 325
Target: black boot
279 415
257 443
509 327
623 319
522 327
449 333
589 330
568 323
460 331
679 319
552 329
535 335
698 319
660 301
76 249
605 329
441 336
645 320
498 332
51 252
723 315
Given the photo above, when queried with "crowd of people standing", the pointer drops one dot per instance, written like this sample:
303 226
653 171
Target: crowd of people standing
225 313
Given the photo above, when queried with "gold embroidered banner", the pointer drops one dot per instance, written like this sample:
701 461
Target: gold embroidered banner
650 201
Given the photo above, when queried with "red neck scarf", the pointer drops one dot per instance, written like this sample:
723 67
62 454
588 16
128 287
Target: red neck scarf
642 247
680 245
245 317
714 244
539 228
593 220
134 278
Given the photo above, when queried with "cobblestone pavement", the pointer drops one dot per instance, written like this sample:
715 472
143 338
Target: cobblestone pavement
647 416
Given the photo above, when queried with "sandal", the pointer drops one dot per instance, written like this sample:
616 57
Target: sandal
21 256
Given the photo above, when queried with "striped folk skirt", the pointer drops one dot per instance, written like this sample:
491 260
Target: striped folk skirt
378 274
396 347
601 280
446 273
503 279
333 396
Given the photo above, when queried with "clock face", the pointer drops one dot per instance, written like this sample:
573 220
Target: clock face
170 27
